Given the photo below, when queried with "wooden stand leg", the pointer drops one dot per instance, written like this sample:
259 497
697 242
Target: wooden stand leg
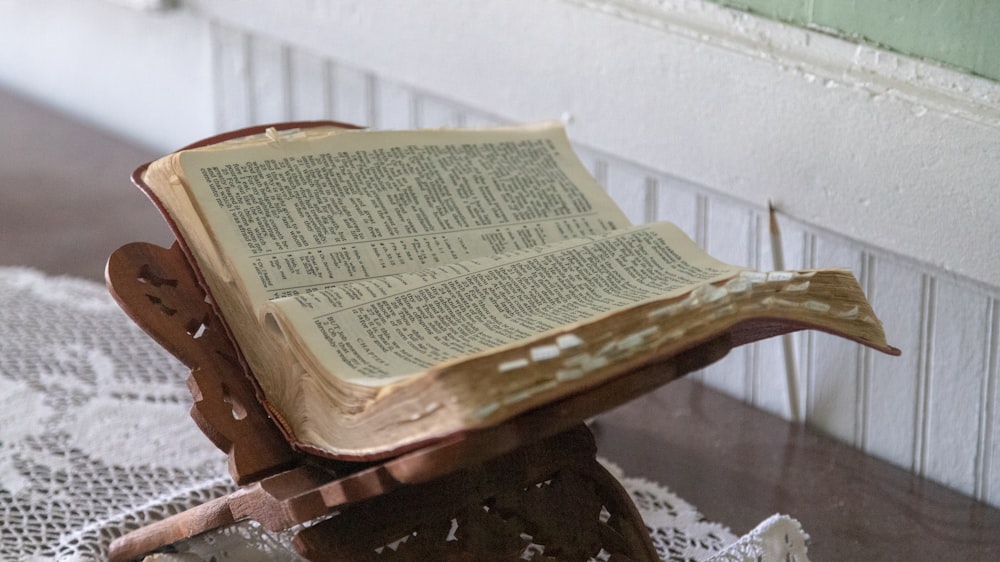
552 496
214 514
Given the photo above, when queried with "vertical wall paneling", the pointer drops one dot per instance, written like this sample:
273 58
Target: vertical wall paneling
833 388
730 237
436 112
268 80
371 98
700 227
678 203
989 464
482 119
925 351
770 371
651 190
628 186
681 203
759 354
799 246
352 94
307 76
807 340
933 410
864 356
892 420
230 72
958 367
595 163
731 232
393 106
701 231
252 79
991 459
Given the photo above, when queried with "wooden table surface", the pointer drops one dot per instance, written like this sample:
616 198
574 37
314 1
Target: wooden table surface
66 203
739 465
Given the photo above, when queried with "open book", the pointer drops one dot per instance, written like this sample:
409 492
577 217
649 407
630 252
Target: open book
392 288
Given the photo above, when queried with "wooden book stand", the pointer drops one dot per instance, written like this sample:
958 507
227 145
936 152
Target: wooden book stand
481 495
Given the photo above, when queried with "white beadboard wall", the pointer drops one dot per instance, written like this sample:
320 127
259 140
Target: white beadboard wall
684 110
934 410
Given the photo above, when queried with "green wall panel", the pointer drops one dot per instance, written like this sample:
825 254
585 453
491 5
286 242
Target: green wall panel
796 11
959 33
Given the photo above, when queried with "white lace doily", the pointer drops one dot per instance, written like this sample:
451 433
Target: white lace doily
95 441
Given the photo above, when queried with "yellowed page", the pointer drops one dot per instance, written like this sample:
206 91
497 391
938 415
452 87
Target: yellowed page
382 330
293 214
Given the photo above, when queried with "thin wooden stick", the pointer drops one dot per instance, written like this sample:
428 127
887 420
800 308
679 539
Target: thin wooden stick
787 344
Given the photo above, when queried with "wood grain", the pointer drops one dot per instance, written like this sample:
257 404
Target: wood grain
739 465
65 198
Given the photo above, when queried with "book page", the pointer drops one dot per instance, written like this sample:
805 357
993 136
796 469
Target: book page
296 214
378 331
